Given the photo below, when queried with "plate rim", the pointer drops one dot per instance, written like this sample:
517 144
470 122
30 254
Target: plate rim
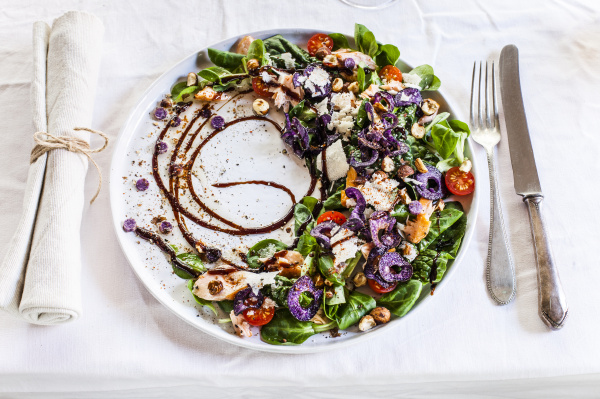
260 345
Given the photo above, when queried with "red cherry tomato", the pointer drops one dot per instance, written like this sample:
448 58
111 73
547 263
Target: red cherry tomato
260 87
390 72
459 182
317 41
260 316
375 286
337 217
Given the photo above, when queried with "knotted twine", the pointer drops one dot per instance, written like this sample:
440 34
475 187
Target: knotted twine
47 142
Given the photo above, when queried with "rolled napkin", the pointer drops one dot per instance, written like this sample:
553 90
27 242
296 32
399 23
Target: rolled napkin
40 275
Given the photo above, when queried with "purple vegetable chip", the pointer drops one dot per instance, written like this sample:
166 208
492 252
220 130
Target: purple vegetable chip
322 233
349 63
408 96
356 221
176 170
389 120
371 268
247 299
142 184
165 227
160 113
318 81
415 207
161 147
304 284
387 264
297 79
385 99
383 233
369 160
176 121
212 254
129 225
217 122
432 185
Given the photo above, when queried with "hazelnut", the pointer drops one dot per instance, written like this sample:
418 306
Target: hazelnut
252 64
429 107
404 197
465 166
417 131
328 294
405 171
328 283
440 205
214 287
260 107
337 85
330 60
380 314
353 87
360 279
387 164
366 323
318 280
420 165
322 53
192 79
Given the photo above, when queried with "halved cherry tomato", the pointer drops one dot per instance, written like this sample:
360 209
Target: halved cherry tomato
317 41
375 286
260 87
459 182
337 217
390 72
260 316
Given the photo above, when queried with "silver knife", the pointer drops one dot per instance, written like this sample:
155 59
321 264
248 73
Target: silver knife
553 307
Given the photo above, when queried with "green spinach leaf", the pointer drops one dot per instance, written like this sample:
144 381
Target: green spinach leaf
424 262
279 290
388 55
263 249
400 212
257 51
306 244
357 305
444 138
360 78
365 40
439 224
277 45
226 306
225 59
285 329
302 215
401 299
325 264
339 41
429 82
335 200
193 261
449 241
303 112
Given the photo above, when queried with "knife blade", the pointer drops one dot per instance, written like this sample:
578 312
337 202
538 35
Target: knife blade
553 308
525 172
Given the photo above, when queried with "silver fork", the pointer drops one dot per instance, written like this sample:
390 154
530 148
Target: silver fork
500 270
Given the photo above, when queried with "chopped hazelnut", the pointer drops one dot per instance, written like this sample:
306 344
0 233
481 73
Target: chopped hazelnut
252 64
380 314
192 79
337 85
322 53
360 279
420 165
405 171
366 323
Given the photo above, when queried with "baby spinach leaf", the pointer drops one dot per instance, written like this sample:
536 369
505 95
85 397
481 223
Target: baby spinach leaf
442 116
439 224
361 117
277 45
335 200
203 302
401 299
424 262
449 241
328 271
444 139
429 81
303 112
400 212
388 55
360 78
302 216
365 40
339 41
193 261
214 74
446 164
338 296
357 305
263 249
309 202
351 264
279 291
181 90
257 51
285 329
226 59
306 244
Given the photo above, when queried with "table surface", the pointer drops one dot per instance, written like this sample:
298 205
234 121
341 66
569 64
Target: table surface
127 345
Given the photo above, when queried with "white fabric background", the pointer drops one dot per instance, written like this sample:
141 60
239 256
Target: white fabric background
127 345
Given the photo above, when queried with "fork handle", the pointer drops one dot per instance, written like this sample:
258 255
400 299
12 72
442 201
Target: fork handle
552 302
500 272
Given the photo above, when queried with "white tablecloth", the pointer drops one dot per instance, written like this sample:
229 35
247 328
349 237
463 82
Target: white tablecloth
127 345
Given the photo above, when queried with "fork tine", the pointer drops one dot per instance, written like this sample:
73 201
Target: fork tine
488 116
473 125
480 113
496 120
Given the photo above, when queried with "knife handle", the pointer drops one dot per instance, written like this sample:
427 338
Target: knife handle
552 302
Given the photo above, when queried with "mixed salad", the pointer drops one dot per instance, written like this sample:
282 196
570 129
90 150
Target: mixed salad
386 159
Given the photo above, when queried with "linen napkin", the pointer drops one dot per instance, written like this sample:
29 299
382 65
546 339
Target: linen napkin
40 275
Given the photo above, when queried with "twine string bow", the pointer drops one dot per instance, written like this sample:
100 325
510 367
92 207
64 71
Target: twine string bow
47 142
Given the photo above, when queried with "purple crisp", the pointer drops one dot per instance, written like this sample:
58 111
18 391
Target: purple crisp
304 284
415 207
217 122
392 260
322 233
176 121
247 299
212 254
160 113
142 184
432 183
408 96
165 227
129 225
161 147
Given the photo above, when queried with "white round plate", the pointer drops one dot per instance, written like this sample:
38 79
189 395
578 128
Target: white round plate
244 152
